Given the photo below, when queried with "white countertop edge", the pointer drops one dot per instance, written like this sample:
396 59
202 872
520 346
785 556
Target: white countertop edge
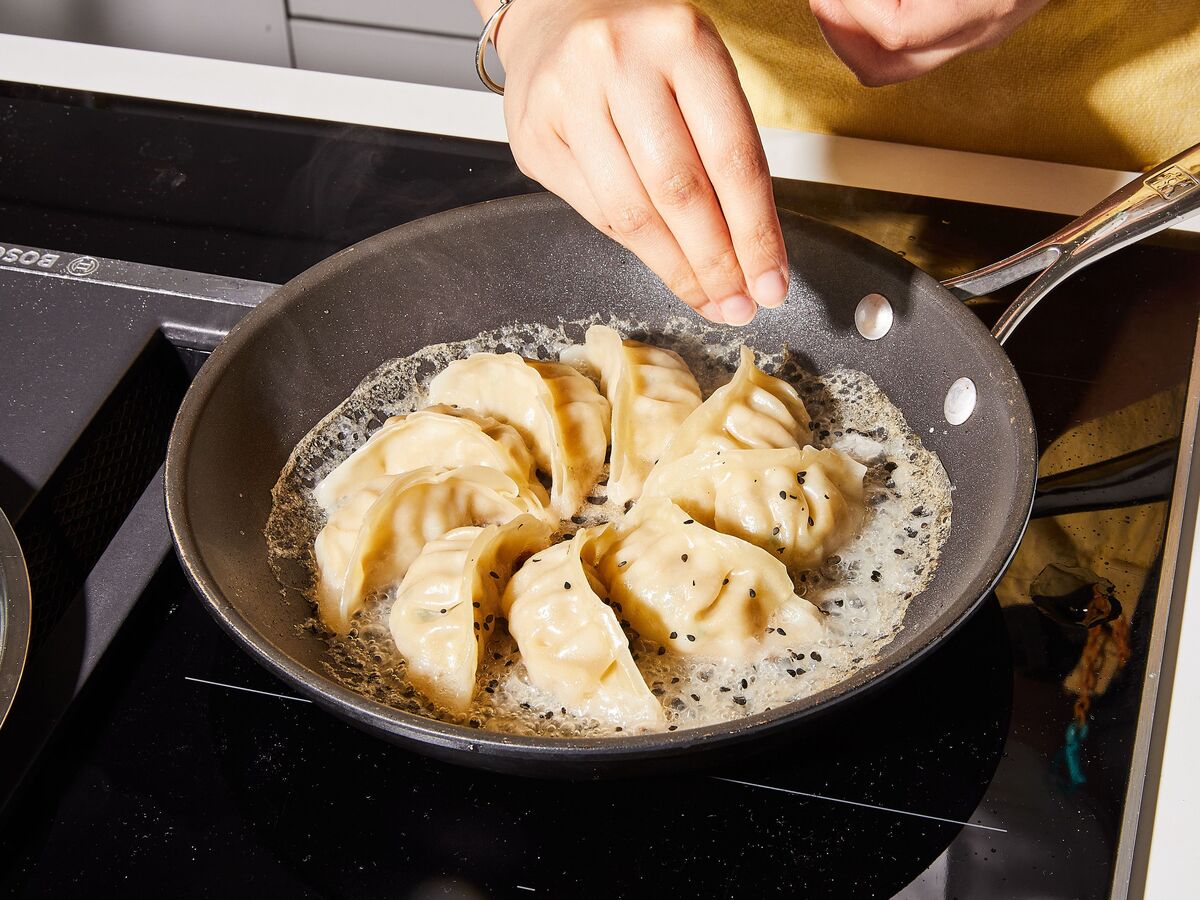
948 174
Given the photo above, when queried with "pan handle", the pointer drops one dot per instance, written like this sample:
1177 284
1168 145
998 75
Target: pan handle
1165 196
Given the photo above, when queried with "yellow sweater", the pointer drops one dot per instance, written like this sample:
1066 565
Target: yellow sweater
1111 83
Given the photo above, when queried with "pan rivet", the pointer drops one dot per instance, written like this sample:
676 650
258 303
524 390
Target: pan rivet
960 401
873 316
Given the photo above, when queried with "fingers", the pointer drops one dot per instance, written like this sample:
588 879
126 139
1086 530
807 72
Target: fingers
928 34
615 187
726 138
662 152
916 24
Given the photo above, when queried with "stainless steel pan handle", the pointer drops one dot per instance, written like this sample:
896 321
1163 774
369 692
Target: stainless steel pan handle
1165 196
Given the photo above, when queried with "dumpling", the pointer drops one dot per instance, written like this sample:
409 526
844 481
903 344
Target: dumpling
799 505
449 599
651 392
753 411
334 544
558 412
438 436
372 540
699 592
571 642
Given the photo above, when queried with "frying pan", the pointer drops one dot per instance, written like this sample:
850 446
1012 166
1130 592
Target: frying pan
453 275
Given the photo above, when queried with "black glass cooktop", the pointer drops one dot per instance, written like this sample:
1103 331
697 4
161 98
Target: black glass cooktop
173 765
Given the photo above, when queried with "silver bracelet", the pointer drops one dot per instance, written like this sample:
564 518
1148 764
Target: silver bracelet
487 36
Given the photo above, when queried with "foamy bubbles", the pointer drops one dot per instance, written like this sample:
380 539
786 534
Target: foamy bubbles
863 591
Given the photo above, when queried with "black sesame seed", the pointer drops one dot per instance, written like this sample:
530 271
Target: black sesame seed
689 521
678 705
783 495
662 650
775 530
770 631
443 612
724 690
674 681
489 619
792 672
745 684
691 637
800 477
476 604
494 574
898 552
740 701
752 593
876 575
623 563
816 656
672 727
726 581
696 697
674 634
782 632
683 557
566 585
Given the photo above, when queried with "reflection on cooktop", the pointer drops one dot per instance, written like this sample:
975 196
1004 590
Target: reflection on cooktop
245 771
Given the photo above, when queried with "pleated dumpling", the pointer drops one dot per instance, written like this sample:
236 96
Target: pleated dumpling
558 412
334 544
447 604
651 392
753 411
799 505
372 539
570 640
440 436
697 591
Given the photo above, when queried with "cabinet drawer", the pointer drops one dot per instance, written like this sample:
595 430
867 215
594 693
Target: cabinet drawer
385 53
442 16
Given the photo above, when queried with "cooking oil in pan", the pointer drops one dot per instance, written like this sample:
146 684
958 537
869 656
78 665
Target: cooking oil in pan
864 590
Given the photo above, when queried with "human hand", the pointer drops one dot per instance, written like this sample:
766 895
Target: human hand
631 111
886 41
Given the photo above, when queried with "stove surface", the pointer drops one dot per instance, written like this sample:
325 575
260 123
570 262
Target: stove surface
146 753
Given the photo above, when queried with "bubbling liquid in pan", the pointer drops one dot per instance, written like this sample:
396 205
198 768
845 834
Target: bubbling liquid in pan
864 590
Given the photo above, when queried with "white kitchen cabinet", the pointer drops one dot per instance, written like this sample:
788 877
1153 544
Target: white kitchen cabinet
386 53
423 41
453 17
241 30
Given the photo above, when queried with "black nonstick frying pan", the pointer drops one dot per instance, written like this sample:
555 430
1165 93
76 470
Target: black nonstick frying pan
453 275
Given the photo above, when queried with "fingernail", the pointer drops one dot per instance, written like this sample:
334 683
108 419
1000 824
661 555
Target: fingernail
712 312
770 288
738 310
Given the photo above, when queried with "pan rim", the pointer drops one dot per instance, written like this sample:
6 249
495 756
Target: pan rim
416 729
